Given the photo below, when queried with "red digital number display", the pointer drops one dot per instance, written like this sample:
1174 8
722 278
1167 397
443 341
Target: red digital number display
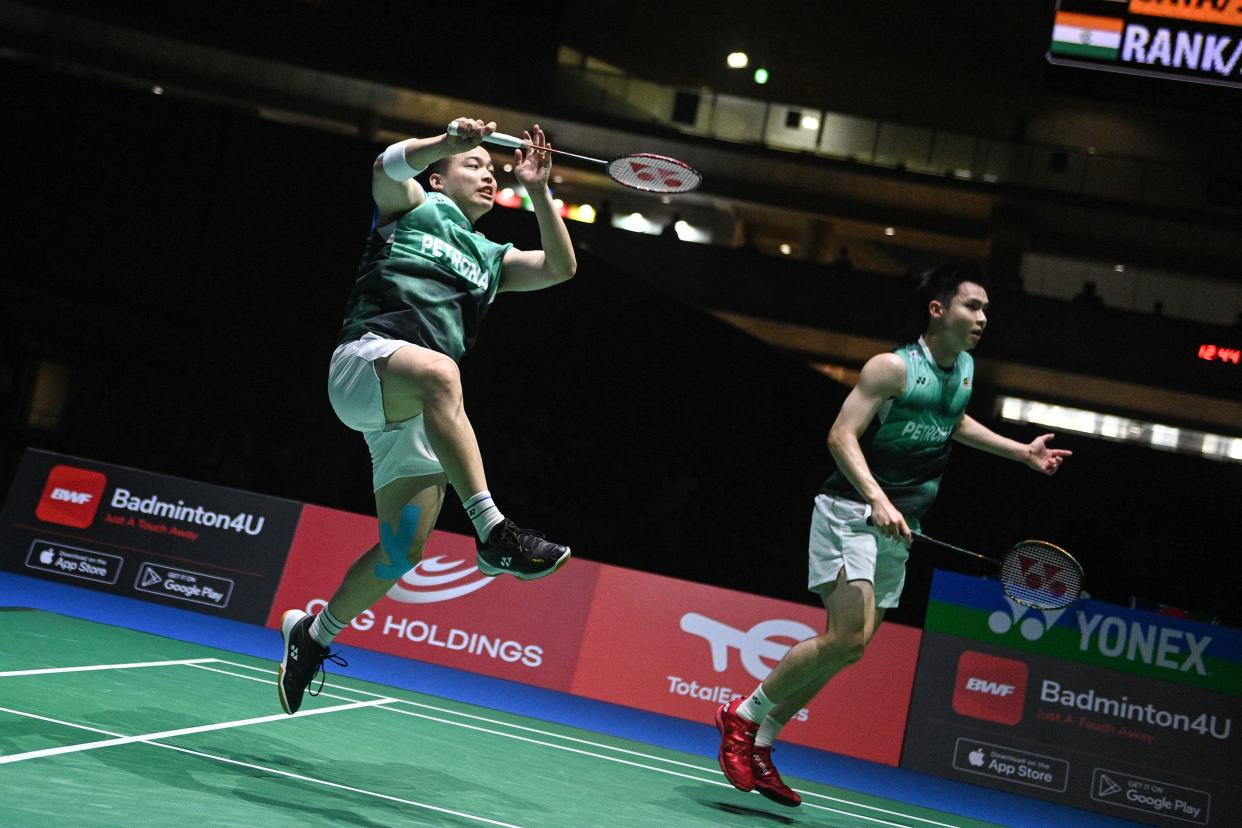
1219 353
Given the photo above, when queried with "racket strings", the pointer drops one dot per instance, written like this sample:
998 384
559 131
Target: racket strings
1041 575
654 173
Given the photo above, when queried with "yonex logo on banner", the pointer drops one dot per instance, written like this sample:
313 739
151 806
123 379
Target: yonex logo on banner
435 579
1031 624
754 645
71 496
990 687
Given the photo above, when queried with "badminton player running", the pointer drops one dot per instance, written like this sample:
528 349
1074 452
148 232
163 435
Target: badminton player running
891 444
426 280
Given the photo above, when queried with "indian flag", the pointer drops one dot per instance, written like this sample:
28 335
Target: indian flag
1087 35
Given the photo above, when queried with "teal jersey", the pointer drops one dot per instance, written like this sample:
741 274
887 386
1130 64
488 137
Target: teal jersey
907 443
427 278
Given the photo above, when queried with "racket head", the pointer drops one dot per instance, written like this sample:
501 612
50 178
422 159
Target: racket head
654 173
1041 575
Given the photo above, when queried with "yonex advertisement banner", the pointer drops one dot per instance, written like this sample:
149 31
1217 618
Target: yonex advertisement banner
187 544
1128 713
445 611
681 648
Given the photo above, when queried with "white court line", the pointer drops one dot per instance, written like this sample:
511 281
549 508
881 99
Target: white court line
620 761
649 757
169 734
88 668
276 771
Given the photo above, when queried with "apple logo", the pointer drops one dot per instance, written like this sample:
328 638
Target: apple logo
46 557
976 757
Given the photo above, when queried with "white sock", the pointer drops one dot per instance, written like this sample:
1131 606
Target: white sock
482 513
768 729
756 707
326 627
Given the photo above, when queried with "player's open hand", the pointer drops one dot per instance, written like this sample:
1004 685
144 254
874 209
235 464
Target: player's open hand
470 133
1041 458
533 165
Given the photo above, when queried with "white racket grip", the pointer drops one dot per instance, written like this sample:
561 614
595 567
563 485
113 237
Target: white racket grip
499 138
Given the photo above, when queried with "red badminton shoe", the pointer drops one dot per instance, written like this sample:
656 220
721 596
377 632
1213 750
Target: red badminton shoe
737 742
768 782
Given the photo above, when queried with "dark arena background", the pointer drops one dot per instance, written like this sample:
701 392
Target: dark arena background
187 193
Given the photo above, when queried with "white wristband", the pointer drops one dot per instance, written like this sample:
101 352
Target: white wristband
395 165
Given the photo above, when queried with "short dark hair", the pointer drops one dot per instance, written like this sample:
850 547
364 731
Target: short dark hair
943 281
438 166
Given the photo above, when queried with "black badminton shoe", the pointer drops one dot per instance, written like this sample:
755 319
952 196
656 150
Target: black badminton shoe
522 553
302 661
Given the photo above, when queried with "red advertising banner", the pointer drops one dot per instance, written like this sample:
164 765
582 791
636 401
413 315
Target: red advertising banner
444 611
681 648
607 633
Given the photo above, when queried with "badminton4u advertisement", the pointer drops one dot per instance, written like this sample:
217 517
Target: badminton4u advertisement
1129 713
444 611
144 535
681 648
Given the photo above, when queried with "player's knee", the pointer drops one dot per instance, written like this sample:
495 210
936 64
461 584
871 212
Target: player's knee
849 643
854 646
440 381
392 563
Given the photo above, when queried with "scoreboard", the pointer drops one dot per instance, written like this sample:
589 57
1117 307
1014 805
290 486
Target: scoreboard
1190 40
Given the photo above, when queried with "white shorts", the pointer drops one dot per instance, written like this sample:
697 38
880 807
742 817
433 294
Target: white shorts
841 537
397 449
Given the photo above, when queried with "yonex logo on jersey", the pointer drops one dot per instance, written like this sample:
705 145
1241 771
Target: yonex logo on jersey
758 651
464 266
989 687
71 496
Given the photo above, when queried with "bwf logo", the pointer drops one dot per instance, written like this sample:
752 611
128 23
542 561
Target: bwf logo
989 687
71 496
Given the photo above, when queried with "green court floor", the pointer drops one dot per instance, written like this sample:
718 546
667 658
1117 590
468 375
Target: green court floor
105 726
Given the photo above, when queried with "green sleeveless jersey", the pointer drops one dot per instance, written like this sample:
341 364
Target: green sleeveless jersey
907 443
427 278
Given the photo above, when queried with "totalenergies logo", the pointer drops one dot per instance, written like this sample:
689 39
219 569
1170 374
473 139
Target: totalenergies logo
436 579
759 653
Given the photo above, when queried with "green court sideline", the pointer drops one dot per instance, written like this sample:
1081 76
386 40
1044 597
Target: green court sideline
172 731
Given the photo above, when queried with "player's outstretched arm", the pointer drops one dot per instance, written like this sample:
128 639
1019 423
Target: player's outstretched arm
555 263
882 378
1035 454
393 186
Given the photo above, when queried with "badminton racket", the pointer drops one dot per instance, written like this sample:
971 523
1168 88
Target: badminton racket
638 170
1035 573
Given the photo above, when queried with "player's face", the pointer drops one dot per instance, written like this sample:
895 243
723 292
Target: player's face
470 182
966 316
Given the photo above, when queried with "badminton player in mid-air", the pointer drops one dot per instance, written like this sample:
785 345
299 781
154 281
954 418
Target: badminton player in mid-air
426 280
891 444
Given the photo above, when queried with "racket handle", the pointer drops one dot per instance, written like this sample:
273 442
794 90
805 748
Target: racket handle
498 138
